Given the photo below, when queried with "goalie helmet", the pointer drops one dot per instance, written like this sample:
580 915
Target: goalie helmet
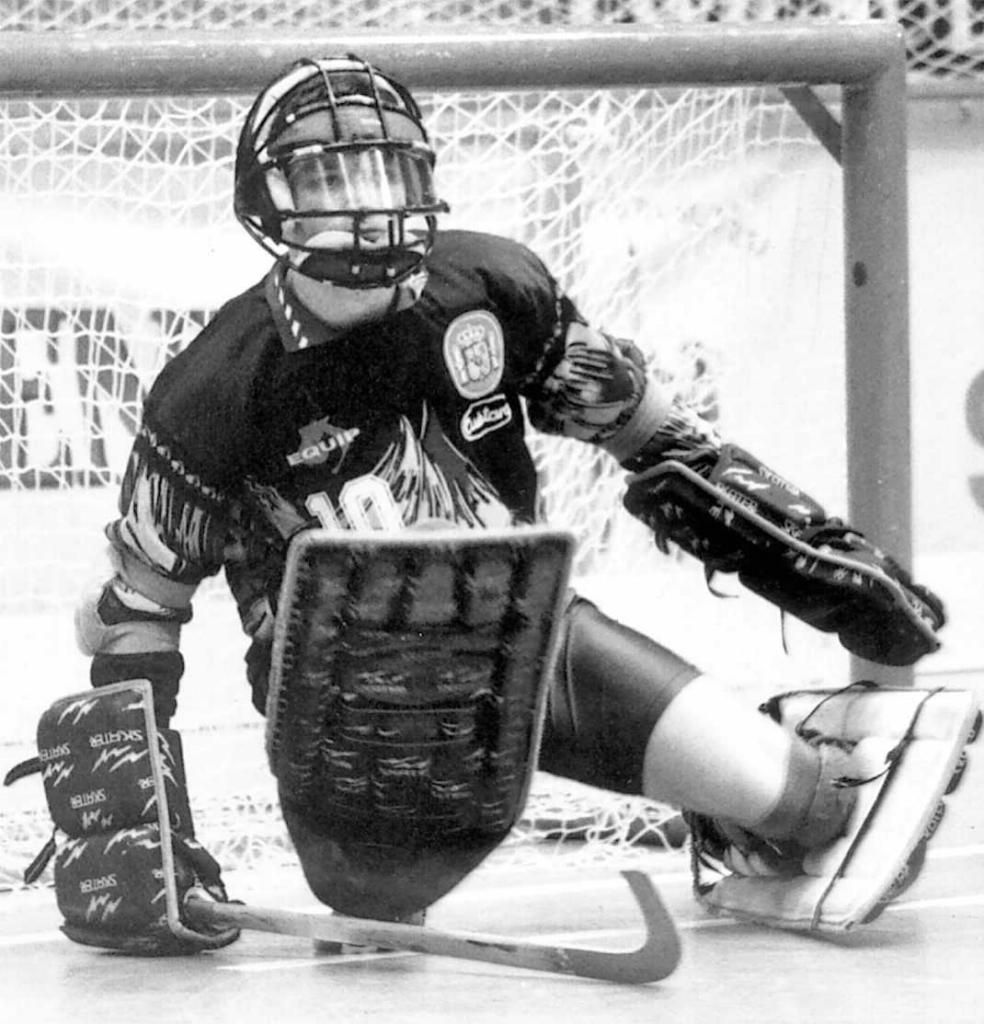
334 174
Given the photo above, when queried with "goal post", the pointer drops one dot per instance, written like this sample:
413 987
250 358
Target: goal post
647 164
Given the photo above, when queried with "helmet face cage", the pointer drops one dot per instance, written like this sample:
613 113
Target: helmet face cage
334 174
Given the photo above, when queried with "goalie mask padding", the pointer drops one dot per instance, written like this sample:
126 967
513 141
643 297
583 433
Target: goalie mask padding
906 754
406 701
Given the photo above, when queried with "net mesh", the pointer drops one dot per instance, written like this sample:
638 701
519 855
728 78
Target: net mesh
691 220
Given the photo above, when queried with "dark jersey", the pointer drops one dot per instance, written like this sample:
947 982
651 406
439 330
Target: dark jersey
267 424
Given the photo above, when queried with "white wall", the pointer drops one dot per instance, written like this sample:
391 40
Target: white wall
946 243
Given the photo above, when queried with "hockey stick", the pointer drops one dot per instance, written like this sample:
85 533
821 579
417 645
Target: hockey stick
654 960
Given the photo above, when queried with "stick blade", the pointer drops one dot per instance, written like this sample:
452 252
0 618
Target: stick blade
657 958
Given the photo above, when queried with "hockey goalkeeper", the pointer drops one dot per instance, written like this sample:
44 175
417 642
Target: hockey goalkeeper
381 376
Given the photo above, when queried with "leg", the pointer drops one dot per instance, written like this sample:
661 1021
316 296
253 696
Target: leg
628 715
712 754
813 817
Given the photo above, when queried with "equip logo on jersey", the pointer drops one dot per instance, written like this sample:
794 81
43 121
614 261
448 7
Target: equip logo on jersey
319 441
481 418
473 350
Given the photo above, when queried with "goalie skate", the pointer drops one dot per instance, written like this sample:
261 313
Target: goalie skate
405 704
906 752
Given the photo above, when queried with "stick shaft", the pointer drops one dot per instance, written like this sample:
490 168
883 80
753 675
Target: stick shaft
653 961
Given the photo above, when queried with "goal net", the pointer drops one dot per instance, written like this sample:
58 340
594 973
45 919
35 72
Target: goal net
705 223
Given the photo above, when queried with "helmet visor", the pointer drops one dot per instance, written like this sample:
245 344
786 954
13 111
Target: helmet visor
318 181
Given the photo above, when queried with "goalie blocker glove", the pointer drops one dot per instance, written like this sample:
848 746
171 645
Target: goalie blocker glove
408 689
734 514
124 850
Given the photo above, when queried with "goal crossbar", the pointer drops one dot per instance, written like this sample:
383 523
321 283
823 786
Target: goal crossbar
864 62
53 64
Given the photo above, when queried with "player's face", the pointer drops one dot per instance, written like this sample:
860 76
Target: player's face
327 184
347 180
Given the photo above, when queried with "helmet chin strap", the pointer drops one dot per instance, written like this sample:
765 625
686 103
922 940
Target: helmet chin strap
373 252
408 291
370 269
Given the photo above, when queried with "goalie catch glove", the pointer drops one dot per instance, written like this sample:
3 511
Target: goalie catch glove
124 850
734 514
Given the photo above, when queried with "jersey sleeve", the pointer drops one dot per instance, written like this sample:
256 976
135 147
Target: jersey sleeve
578 381
169 535
177 517
598 388
172 521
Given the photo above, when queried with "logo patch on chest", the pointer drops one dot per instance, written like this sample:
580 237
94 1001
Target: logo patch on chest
320 441
481 418
473 351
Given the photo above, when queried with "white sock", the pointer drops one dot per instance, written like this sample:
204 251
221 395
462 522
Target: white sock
715 754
